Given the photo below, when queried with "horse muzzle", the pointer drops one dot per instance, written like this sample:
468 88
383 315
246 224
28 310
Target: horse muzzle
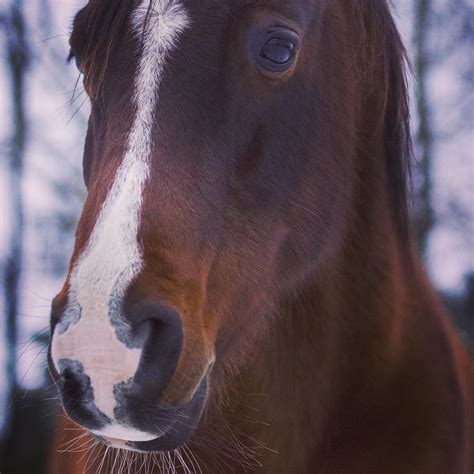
115 380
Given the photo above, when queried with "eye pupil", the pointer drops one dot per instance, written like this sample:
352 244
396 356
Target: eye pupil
278 50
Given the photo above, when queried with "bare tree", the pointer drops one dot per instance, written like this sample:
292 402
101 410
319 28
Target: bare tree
17 65
424 218
443 33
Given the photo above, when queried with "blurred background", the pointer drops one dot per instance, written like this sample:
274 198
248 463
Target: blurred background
43 116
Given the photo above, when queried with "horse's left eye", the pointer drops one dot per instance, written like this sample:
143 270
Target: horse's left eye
274 52
278 50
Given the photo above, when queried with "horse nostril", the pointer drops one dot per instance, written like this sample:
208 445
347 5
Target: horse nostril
72 377
67 374
78 396
162 333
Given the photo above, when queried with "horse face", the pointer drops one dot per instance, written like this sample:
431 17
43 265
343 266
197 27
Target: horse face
213 189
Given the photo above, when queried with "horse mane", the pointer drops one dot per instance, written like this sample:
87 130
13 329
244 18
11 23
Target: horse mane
384 51
382 47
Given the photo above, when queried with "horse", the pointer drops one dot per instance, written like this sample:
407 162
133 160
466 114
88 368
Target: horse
244 294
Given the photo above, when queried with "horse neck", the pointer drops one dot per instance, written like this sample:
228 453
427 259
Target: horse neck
340 350
335 344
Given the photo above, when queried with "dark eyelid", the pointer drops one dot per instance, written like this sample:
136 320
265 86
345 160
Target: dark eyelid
285 33
281 27
283 22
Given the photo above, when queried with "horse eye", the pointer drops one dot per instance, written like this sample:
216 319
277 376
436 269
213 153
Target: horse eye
278 50
274 52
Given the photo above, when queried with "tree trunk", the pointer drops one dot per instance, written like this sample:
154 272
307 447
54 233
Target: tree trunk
424 217
17 63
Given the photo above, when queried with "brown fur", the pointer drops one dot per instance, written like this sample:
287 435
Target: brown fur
333 353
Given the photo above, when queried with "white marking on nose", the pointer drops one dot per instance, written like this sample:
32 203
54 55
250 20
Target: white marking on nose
124 433
112 257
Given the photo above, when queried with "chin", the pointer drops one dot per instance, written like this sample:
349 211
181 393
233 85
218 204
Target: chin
180 430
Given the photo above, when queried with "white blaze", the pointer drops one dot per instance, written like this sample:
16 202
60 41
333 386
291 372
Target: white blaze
112 257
